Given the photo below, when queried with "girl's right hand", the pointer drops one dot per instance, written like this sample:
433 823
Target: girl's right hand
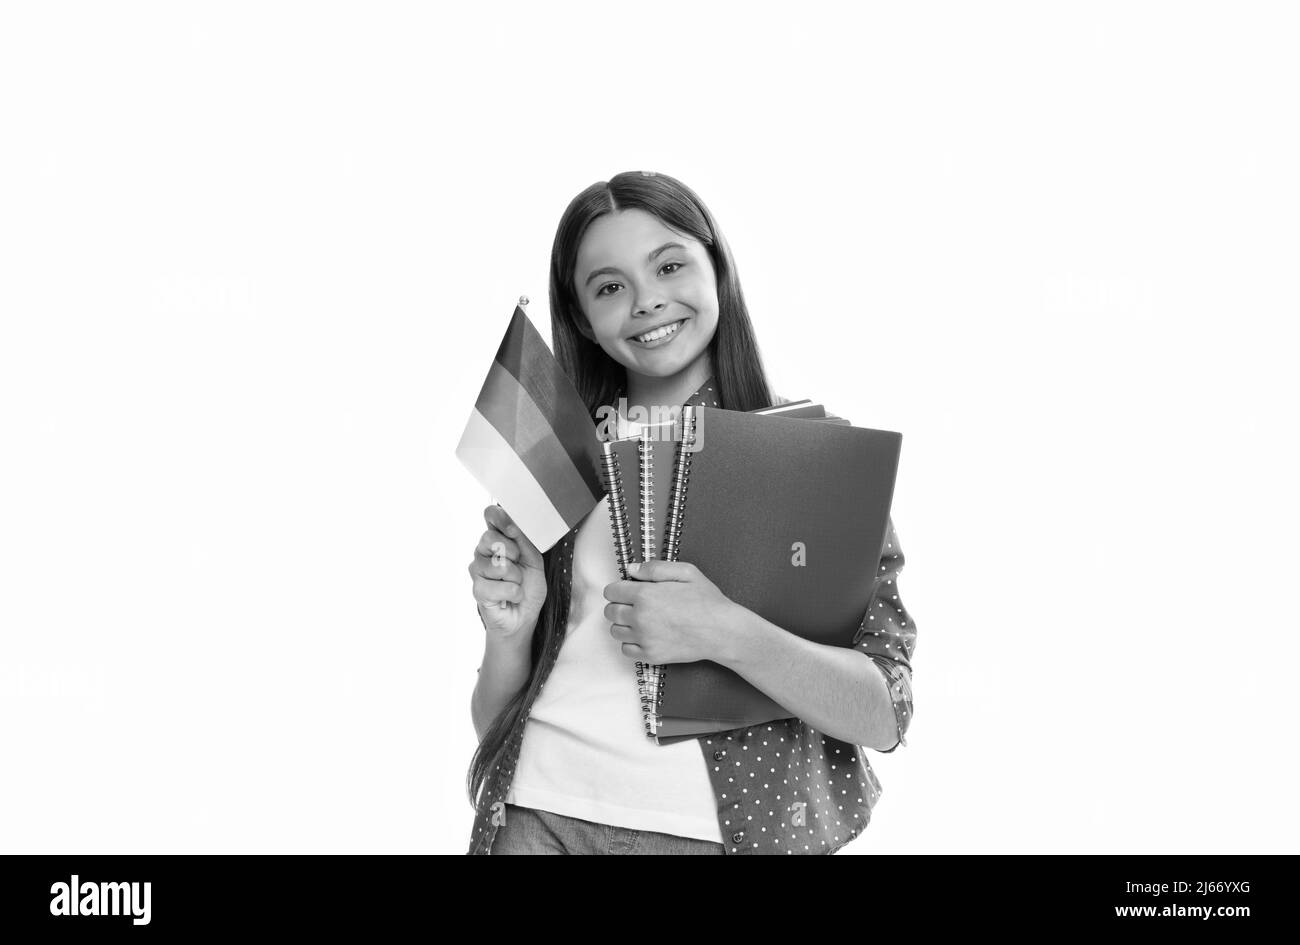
510 593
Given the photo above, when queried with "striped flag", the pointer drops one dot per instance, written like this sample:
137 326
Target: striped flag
530 439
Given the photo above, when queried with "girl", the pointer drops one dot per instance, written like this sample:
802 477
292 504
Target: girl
647 310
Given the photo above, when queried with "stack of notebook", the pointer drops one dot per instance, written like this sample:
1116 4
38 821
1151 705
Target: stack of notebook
784 509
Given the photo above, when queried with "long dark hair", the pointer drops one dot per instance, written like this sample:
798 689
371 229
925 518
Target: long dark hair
738 379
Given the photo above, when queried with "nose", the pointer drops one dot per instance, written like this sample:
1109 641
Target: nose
648 299
649 302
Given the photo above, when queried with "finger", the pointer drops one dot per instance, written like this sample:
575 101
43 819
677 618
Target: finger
496 570
528 553
495 544
622 592
505 598
656 569
488 591
619 613
498 518
622 632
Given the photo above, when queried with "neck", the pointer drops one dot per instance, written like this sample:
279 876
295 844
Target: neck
666 392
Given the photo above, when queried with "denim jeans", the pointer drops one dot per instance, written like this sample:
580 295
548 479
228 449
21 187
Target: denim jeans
530 831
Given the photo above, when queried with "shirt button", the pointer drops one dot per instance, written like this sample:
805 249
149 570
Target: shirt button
719 755
738 836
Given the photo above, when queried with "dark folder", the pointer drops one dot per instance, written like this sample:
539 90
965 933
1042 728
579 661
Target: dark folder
788 518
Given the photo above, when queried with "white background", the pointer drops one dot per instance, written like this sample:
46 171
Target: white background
255 260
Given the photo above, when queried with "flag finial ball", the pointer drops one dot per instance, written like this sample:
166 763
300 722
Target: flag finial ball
523 300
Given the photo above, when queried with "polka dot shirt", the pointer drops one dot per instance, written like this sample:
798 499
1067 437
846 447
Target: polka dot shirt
781 787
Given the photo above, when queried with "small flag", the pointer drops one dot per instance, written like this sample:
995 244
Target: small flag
530 439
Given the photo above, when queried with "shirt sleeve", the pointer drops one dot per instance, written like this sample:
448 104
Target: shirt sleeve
888 635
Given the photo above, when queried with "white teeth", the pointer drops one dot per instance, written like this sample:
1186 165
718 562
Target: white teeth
658 333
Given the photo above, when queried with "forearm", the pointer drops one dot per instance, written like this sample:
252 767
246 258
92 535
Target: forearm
506 664
837 690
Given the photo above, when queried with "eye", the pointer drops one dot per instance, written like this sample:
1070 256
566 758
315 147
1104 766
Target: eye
601 291
666 265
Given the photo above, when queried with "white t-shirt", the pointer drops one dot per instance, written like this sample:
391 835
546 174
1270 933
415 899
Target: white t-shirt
585 753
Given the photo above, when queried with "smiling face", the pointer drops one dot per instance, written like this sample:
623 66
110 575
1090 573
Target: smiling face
636 277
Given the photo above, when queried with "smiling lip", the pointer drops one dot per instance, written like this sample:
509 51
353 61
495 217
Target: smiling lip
679 322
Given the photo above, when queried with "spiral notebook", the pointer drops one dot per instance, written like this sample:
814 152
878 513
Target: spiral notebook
628 470
640 534
809 503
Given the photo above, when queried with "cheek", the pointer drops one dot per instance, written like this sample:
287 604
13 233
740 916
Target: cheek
602 326
704 298
609 338
707 314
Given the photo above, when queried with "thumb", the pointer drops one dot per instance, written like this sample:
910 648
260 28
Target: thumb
528 553
657 569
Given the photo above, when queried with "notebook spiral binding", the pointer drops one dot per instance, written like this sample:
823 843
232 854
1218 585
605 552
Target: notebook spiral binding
613 482
648 531
681 476
649 678
612 477
652 696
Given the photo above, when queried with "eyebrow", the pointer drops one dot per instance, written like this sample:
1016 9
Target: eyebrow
650 258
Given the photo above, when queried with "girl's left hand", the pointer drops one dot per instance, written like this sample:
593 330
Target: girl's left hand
669 612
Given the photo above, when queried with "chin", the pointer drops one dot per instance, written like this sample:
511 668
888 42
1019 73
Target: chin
657 370
666 367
